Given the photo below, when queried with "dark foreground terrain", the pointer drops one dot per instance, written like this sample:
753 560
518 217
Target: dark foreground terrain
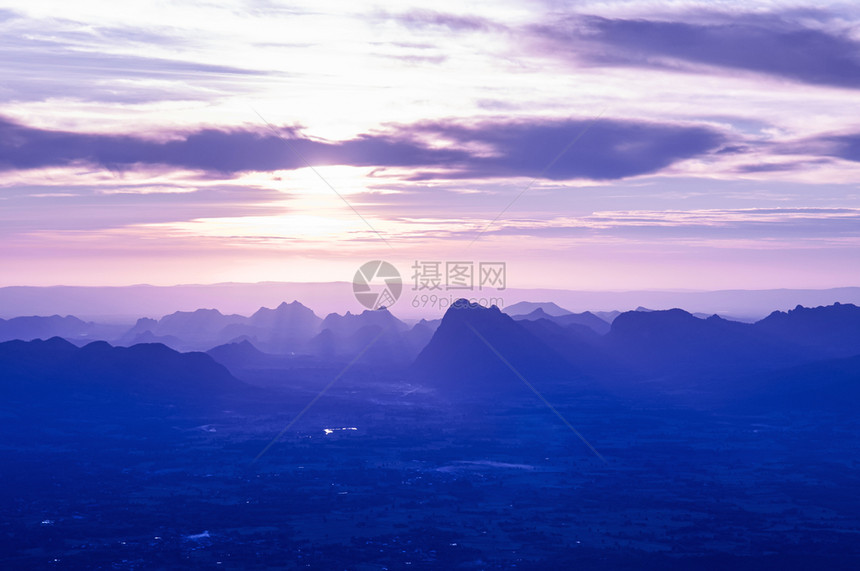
377 477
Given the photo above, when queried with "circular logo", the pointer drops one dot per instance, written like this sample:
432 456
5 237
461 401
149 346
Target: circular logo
377 284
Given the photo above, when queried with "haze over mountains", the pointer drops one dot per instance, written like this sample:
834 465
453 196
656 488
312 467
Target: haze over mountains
482 349
282 330
69 327
128 303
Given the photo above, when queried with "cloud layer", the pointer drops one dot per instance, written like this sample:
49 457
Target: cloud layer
598 149
767 44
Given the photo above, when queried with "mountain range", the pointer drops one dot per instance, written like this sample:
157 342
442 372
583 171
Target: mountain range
472 349
56 375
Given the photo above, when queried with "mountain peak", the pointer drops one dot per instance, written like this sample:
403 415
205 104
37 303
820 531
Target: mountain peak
464 304
207 311
463 354
832 331
527 307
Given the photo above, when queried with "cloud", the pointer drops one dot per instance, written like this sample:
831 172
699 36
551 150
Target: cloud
784 166
214 150
75 65
768 44
37 208
845 146
841 146
603 149
720 224
423 19
6 15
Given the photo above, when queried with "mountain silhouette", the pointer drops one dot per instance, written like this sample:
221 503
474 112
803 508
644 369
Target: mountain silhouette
283 330
586 319
240 355
187 324
349 323
150 337
831 331
607 316
68 327
581 346
376 335
671 342
182 330
527 307
468 351
57 373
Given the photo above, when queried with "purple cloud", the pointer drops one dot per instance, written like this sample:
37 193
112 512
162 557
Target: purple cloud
604 149
37 69
843 146
34 208
220 151
764 44
609 149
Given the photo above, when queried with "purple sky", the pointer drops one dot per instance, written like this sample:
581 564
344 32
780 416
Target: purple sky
708 146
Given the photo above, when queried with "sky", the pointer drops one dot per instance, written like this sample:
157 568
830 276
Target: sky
587 145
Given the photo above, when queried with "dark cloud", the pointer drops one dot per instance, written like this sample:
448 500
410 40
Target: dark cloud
797 166
767 44
605 149
733 150
220 151
843 146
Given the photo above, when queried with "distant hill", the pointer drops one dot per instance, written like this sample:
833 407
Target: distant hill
68 327
463 357
527 307
831 331
286 329
586 319
182 330
131 302
283 330
349 323
241 355
607 316
191 324
378 336
57 373
674 342
661 349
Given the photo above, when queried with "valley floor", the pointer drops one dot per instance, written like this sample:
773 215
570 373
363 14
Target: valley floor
420 485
